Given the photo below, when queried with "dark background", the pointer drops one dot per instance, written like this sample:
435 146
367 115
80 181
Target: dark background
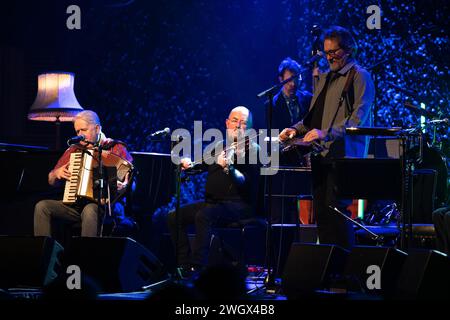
147 65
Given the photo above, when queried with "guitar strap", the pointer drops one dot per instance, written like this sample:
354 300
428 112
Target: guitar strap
348 90
343 97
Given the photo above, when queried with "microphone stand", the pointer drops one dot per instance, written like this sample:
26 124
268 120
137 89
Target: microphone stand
274 89
379 239
178 181
99 182
316 32
269 281
177 214
270 93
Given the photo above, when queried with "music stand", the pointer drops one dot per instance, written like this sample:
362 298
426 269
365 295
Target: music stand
396 182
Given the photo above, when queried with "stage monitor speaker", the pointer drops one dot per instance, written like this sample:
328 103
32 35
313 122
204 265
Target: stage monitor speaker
116 264
310 267
284 235
425 275
29 261
357 272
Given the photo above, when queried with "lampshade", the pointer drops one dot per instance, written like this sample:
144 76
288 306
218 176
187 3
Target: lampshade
55 100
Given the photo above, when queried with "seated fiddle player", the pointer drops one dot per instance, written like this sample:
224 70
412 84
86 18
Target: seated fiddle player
86 123
290 106
331 111
229 192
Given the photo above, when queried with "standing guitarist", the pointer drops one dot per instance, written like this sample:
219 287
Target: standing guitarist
342 98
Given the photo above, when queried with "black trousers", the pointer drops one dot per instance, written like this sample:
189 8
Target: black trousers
205 216
441 220
332 227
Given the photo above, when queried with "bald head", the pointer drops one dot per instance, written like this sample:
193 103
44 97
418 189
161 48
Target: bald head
243 114
239 120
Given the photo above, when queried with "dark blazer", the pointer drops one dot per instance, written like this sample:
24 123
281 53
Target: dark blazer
281 116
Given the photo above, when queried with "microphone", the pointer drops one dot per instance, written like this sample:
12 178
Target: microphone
76 139
419 110
319 55
161 133
445 120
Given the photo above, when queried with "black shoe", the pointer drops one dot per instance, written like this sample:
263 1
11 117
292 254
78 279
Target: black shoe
197 268
184 272
189 272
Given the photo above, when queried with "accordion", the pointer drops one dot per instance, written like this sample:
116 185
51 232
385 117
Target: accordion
83 167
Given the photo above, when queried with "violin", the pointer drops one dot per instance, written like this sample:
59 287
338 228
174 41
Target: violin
231 153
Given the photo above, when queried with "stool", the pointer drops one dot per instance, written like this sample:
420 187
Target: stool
243 241
423 236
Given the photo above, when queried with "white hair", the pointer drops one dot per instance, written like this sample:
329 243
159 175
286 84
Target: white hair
243 110
89 116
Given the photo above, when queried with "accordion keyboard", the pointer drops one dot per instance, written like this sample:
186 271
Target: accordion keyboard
80 182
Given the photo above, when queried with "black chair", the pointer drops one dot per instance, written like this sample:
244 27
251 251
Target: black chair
241 242
112 227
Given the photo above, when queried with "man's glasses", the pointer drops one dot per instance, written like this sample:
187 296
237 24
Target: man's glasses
332 52
235 121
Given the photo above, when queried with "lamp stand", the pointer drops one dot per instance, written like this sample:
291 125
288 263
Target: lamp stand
58 133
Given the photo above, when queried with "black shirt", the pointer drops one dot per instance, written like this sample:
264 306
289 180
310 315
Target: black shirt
314 119
221 186
289 110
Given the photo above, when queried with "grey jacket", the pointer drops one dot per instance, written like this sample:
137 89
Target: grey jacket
337 144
